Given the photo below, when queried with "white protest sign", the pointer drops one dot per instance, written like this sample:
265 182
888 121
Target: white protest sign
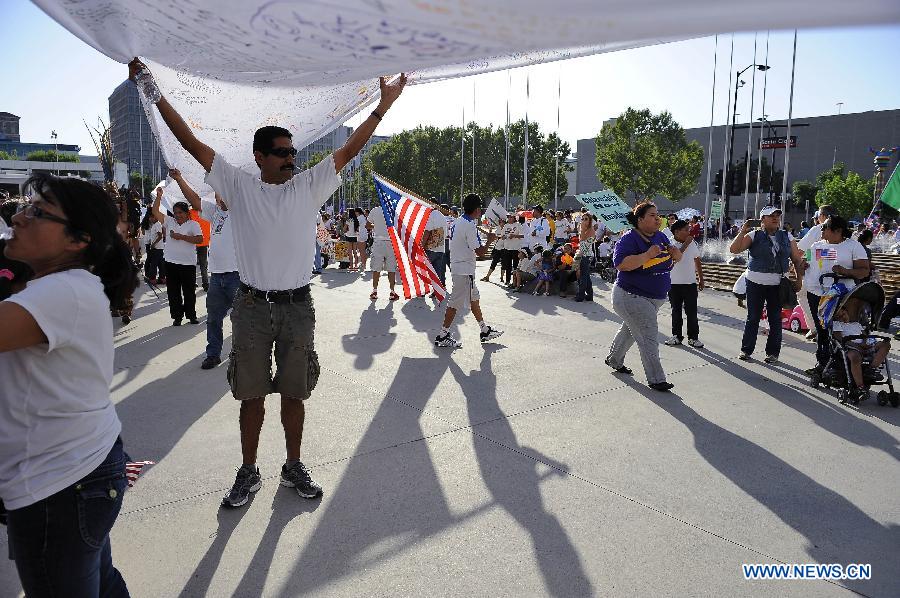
495 213
608 207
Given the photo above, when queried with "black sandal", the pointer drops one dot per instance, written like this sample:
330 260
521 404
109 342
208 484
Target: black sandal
621 370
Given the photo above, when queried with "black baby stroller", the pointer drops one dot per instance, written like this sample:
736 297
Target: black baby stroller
864 303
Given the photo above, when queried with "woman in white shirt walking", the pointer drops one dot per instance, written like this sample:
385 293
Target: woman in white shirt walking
62 465
180 253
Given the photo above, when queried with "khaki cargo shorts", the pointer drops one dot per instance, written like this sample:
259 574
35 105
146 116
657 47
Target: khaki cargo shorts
382 258
257 327
463 293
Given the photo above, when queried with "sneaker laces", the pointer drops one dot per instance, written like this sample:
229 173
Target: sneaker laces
300 469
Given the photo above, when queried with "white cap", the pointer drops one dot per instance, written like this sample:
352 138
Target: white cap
769 210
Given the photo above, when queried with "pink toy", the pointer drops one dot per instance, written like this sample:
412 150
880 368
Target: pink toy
791 319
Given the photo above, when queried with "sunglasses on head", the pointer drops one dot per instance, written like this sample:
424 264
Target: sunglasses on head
283 152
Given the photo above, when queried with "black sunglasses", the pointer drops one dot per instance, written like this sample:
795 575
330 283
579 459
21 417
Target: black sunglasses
283 152
32 211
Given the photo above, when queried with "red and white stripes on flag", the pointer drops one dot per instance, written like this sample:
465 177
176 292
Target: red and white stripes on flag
406 216
133 470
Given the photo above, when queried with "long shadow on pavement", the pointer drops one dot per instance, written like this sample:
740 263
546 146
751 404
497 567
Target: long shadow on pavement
835 529
375 327
557 558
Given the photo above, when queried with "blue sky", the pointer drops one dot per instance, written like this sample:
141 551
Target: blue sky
54 81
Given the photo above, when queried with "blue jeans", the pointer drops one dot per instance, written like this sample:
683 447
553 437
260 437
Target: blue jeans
759 296
438 259
61 544
585 287
317 258
222 289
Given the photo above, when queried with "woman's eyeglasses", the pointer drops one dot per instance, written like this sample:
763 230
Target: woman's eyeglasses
31 211
283 152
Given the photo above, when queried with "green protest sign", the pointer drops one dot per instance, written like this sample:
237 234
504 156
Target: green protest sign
608 207
715 210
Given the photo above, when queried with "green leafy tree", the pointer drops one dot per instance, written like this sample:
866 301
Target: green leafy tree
4 156
803 192
646 154
433 161
850 195
144 184
314 159
52 156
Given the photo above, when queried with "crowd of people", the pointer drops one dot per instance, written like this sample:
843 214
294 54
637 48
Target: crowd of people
71 257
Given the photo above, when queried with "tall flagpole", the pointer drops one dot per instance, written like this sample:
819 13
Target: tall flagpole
473 136
506 137
759 146
725 151
712 114
556 152
462 157
750 132
525 162
787 151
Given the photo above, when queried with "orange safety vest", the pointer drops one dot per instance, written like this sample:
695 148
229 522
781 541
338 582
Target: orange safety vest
205 227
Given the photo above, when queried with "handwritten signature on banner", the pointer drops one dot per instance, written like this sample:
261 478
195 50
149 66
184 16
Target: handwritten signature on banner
608 207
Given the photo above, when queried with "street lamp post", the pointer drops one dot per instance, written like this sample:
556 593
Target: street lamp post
55 150
737 85
834 155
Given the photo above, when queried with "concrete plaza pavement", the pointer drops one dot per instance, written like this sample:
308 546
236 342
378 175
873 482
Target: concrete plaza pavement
520 468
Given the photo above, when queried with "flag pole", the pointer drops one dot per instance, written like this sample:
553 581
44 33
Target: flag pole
712 114
750 132
759 145
787 144
506 137
525 161
725 190
556 152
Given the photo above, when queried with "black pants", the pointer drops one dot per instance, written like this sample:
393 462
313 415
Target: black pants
506 263
684 296
154 262
181 285
203 261
891 311
821 333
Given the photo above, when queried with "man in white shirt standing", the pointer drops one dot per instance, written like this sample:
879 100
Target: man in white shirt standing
465 245
540 228
814 235
224 280
273 223
687 280
383 257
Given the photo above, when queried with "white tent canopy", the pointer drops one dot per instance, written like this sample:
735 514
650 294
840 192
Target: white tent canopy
231 66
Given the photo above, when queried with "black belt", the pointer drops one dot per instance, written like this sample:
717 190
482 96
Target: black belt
288 296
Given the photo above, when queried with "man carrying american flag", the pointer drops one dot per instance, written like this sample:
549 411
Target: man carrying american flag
465 244
405 216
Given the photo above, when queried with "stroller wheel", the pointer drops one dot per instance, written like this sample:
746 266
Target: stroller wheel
882 397
843 396
894 398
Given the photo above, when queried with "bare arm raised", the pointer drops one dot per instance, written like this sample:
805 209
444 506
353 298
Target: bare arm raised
199 150
389 94
186 189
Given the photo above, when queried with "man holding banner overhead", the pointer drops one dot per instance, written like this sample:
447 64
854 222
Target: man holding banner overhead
273 221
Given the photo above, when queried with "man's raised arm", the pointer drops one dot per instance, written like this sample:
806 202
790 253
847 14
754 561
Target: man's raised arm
389 94
201 152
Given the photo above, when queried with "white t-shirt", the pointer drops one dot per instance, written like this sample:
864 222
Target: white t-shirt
379 226
156 228
525 231
766 278
604 249
274 226
685 271
57 423
532 265
222 257
463 243
510 228
814 235
823 257
562 228
437 224
363 234
178 251
541 229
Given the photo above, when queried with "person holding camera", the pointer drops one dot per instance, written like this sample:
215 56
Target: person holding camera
644 257
772 249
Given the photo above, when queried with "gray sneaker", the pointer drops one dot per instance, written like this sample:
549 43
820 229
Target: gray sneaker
246 482
297 477
695 343
447 340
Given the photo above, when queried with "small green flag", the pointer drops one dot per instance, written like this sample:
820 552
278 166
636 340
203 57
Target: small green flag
891 193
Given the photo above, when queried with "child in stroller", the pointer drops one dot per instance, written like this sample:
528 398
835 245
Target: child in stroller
856 356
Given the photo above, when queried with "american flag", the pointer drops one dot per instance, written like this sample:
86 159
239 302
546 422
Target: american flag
133 470
826 253
406 217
